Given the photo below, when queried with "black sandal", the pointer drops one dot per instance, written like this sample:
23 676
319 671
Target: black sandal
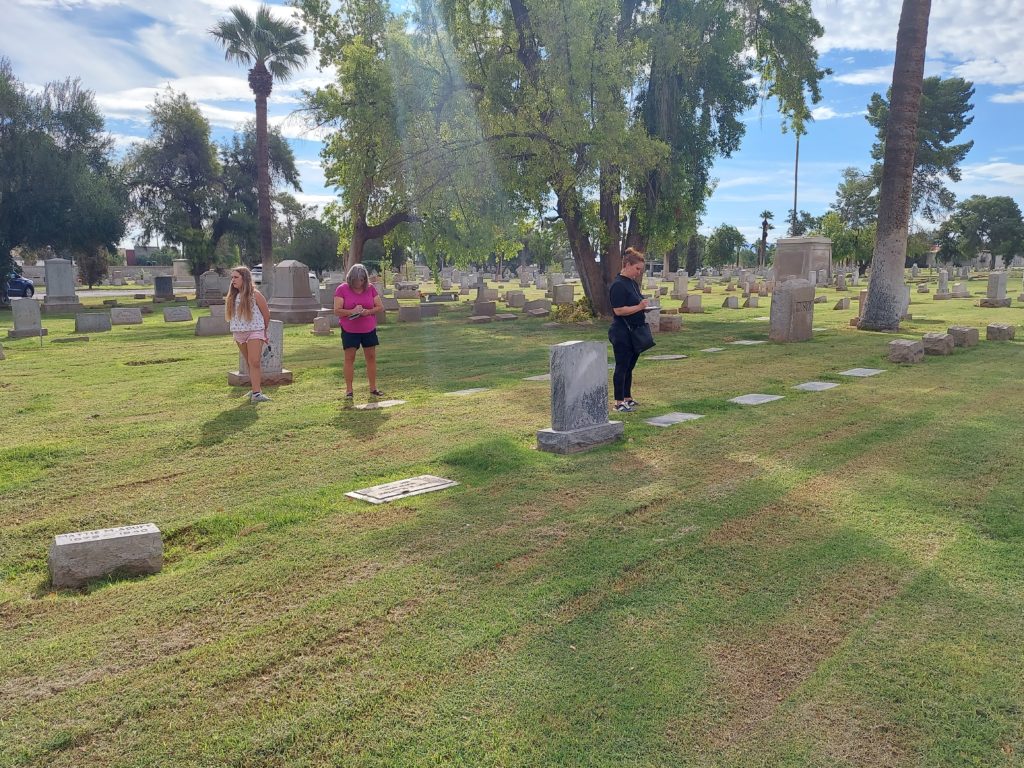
376 393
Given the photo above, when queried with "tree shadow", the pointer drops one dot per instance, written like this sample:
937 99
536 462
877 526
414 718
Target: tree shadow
360 424
227 423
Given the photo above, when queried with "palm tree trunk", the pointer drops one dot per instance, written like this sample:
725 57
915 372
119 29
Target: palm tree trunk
266 213
886 291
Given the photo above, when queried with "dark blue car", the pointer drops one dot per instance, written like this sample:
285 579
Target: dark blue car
16 286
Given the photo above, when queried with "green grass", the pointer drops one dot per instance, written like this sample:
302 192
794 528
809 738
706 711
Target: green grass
832 579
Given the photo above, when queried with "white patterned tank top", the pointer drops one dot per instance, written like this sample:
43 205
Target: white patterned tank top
238 323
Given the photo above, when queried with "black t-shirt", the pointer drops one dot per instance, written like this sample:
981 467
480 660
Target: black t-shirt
626 293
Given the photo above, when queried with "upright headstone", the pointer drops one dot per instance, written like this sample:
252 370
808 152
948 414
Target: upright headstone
996 295
272 368
293 301
27 321
60 287
327 293
797 257
562 293
579 399
213 325
178 315
77 558
181 273
92 322
942 292
792 312
127 316
209 289
163 287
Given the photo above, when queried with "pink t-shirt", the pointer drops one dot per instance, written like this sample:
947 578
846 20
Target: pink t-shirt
350 300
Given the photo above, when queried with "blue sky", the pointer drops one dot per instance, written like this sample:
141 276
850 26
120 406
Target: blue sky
128 50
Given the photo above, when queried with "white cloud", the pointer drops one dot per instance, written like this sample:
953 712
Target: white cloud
1017 97
1001 173
874 76
827 113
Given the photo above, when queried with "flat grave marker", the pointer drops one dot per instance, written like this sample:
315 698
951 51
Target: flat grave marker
402 489
378 405
815 386
462 392
862 373
675 417
667 357
754 399
747 342
714 349
541 377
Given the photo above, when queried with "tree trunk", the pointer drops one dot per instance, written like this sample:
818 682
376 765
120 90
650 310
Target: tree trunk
591 272
886 291
266 213
610 190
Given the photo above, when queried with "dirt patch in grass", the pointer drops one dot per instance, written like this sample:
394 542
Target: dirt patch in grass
162 361
758 673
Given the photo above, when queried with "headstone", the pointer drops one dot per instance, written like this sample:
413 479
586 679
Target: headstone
322 326
515 299
556 278
963 336
692 305
960 291
177 315
579 399
430 310
272 370
181 274
126 316
75 559
407 293
163 288
815 386
327 293
27 320
731 302
92 322
542 283
1000 332
402 489
996 294
60 287
671 323
914 271
752 302
843 303
293 300
938 344
209 289
820 299
409 314
841 282
797 257
755 399
862 373
214 324
488 308
562 293
906 351
478 319
792 311
923 288
675 417
390 304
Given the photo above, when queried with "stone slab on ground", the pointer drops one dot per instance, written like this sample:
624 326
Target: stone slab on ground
92 322
541 377
380 404
478 319
177 315
505 317
714 349
471 391
75 559
675 417
862 373
666 357
906 351
1000 332
938 344
755 399
747 342
963 335
815 386
126 316
402 489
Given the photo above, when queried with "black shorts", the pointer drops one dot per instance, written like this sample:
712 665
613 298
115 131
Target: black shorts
356 340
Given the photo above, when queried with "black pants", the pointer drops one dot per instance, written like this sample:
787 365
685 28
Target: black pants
625 360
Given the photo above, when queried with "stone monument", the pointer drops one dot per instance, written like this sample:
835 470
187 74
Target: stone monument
77 558
579 399
792 311
27 321
60 287
797 257
293 301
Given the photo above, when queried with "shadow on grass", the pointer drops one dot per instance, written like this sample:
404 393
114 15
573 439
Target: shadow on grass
226 423
360 424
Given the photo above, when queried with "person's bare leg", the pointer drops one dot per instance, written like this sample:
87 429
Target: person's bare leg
350 367
253 350
370 354
245 356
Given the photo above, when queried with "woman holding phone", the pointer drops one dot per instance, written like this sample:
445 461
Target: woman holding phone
356 304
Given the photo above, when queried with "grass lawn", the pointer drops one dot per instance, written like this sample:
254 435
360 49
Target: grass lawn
831 579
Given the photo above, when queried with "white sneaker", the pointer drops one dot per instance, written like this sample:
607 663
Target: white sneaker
259 397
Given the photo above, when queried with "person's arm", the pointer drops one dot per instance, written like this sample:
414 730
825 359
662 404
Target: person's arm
339 307
378 305
261 305
629 309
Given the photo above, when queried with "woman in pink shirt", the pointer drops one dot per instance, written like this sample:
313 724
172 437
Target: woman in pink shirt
356 303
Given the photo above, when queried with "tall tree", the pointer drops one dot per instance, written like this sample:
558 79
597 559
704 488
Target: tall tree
885 291
943 116
175 179
724 246
991 224
852 217
273 49
762 245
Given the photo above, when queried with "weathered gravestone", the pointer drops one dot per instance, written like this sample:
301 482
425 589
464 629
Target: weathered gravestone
409 314
792 312
92 322
75 559
906 351
996 295
963 335
210 292
731 302
692 304
177 315
272 370
60 287
126 316
293 300
488 308
163 288
562 293
27 320
579 399
322 326
938 344
215 324
1000 332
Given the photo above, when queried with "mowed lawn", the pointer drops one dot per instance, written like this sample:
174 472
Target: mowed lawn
831 579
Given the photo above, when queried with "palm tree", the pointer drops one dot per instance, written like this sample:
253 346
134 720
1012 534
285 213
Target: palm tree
886 289
274 50
762 246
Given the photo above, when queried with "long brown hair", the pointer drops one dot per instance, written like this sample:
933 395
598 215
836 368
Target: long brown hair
245 294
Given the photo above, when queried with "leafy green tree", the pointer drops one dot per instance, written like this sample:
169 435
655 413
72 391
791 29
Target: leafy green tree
987 224
696 246
850 245
273 49
724 246
315 244
944 114
93 266
176 179
58 184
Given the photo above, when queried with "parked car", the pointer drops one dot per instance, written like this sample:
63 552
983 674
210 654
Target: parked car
15 286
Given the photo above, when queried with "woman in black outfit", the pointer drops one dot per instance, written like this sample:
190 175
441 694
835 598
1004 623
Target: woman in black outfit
628 305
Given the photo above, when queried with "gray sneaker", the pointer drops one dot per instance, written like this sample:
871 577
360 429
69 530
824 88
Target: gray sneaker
259 397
